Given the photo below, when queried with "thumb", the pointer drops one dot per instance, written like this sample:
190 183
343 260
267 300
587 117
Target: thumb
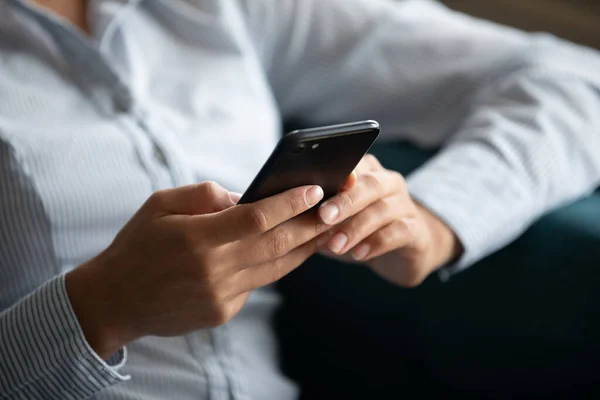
201 198
350 181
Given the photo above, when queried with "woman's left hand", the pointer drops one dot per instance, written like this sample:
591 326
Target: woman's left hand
375 221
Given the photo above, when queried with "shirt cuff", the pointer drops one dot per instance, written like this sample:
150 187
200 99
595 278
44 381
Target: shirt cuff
118 360
101 369
47 351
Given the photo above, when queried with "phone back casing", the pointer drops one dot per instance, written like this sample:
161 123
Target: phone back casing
329 155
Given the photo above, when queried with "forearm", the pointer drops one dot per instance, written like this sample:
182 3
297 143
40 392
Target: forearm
529 146
43 350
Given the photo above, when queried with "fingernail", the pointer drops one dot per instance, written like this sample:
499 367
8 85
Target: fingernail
314 195
329 213
235 197
361 252
338 242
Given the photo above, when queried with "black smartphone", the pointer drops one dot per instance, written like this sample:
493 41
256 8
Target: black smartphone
322 156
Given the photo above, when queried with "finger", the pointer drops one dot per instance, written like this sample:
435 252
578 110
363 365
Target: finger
371 186
280 240
394 236
362 225
350 182
256 218
265 274
346 258
201 198
235 197
324 238
368 163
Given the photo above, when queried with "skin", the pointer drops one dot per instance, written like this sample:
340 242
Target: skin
74 11
189 258
375 221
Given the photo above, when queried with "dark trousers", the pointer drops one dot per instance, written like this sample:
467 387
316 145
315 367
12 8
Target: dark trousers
524 323
487 334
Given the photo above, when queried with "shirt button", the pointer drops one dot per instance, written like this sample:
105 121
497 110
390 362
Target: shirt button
159 155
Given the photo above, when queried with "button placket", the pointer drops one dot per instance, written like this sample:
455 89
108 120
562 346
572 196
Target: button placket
159 155
123 101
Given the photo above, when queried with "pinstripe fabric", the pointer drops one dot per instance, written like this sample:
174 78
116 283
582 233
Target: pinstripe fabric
520 113
170 92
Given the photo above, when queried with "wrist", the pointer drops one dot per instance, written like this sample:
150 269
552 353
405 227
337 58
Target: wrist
445 246
92 302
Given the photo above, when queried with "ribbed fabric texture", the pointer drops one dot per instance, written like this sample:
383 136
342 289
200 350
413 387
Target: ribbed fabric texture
43 353
171 92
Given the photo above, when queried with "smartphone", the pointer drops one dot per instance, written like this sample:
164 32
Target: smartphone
323 156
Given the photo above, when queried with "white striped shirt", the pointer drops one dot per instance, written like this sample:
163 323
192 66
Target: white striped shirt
171 92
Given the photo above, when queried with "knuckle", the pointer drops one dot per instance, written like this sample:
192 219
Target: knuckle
381 240
157 200
297 204
214 295
257 219
420 246
371 159
345 200
410 237
371 180
385 204
279 242
400 180
209 189
221 314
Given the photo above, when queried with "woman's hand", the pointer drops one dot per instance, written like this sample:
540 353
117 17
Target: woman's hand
188 260
374 220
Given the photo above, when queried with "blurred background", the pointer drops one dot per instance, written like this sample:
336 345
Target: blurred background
576 20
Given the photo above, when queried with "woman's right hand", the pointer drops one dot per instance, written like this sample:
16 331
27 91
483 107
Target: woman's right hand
187 260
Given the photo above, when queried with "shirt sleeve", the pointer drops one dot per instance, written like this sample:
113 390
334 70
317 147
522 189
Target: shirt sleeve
529 145
517 115
44 354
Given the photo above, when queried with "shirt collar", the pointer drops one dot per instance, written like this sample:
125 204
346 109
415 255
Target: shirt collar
30 25
101 13
21 24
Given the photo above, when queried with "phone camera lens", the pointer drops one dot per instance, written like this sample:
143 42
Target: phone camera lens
298 149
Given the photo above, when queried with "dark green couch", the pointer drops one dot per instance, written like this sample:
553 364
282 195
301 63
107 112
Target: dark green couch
523 323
